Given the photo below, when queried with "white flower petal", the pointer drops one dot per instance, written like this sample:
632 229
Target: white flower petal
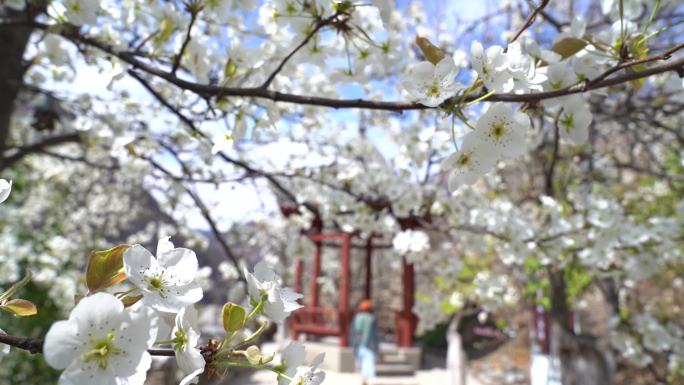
62 345
181 263
189 360
5 189
137 260
79 373
175 297
98 313
164 245
263 272
192 378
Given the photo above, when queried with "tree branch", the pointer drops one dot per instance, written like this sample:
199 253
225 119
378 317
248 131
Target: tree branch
530 19
35 345
207 90
20 152
184 46
304 42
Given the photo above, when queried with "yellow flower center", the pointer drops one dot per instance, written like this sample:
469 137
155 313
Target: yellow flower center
433 90
464 160
567 122
101 350
497 130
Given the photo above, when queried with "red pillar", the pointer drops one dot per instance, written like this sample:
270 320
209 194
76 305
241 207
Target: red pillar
299 269
406 321
315 274
369 268
344 290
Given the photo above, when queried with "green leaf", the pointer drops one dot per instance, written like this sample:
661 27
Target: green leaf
105 268
233 317
20 307
431 52
230 70
130 300
568 46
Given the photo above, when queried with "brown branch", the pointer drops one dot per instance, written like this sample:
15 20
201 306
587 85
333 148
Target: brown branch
530 19
186 41
35 345
20 152
663 56
207 90
554 158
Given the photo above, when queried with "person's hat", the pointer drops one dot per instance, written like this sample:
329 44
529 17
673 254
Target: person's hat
365 305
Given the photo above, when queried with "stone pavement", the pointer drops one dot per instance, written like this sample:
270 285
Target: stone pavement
421 377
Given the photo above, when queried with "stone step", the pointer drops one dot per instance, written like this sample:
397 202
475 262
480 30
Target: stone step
393 381
392 368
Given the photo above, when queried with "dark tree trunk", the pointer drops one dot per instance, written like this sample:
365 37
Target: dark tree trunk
14 38
584 359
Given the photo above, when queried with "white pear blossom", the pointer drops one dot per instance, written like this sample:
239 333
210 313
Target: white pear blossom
228 271
574 120
295 373
655 336
291 358
223 142
523 70
503 130
265 285
411 243
558 76
102 343
56 50
186 336
5 189
630 348
430 84
492 67
80 12
468 164
310 375
587 64
168 281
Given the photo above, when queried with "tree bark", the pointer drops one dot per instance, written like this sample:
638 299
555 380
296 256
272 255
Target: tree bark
584 361
14 40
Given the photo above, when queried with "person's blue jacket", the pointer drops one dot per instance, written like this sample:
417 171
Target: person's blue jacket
364 332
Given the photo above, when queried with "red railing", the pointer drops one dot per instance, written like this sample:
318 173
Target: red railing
319 321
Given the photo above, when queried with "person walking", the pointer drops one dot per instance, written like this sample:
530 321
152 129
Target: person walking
364 339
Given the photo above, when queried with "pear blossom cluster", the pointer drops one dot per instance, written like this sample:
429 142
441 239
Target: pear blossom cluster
355 184
107 337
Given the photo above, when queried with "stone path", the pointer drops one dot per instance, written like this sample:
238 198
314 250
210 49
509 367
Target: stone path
421 377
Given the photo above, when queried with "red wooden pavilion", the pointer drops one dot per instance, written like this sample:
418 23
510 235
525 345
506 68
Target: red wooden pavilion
319 320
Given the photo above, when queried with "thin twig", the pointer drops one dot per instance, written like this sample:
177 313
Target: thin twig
554 157
530 19
304 42
184 46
